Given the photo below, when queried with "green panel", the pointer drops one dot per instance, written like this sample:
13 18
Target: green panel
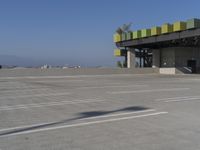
193 23
137 34
146 32
129 36
123 36
155 31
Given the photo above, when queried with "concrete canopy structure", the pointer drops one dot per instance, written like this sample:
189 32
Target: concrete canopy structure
173 52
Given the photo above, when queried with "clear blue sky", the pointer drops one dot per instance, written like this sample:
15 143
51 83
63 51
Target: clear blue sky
80 31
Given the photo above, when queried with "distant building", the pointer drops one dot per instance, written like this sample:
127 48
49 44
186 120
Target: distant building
46 67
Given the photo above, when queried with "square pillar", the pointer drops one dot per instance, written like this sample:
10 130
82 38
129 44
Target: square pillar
131 58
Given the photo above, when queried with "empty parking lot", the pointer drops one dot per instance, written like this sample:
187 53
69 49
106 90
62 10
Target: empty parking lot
87 112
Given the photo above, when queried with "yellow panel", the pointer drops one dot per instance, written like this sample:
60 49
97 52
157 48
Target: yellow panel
179 26
117 38
137 34
166 28
117 52
155 31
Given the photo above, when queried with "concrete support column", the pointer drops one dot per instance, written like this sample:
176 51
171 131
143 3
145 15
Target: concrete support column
156 58
131 58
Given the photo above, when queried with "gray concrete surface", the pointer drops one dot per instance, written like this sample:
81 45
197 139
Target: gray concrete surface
99 112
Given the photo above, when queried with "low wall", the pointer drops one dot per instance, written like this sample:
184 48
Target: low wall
177 70
71 71
167 70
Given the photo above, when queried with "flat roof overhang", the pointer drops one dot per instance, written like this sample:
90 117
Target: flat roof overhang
187 38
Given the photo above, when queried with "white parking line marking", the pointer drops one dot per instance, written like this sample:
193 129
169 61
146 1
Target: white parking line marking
180 100
112 86
174 98
49 104
35 95
76 76
41 124
147 91
23 90
119 114
57 81
86 124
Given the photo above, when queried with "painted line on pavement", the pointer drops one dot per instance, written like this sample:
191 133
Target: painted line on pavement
175 98
35 95
3 108
119 114
84 124
23 90
148 91
57 81
76 76
112 86
41 124
181 100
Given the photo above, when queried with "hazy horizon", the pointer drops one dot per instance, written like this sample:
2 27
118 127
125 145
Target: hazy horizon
13 60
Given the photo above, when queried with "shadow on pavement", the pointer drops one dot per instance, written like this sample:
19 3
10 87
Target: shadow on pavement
81 115
102 113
